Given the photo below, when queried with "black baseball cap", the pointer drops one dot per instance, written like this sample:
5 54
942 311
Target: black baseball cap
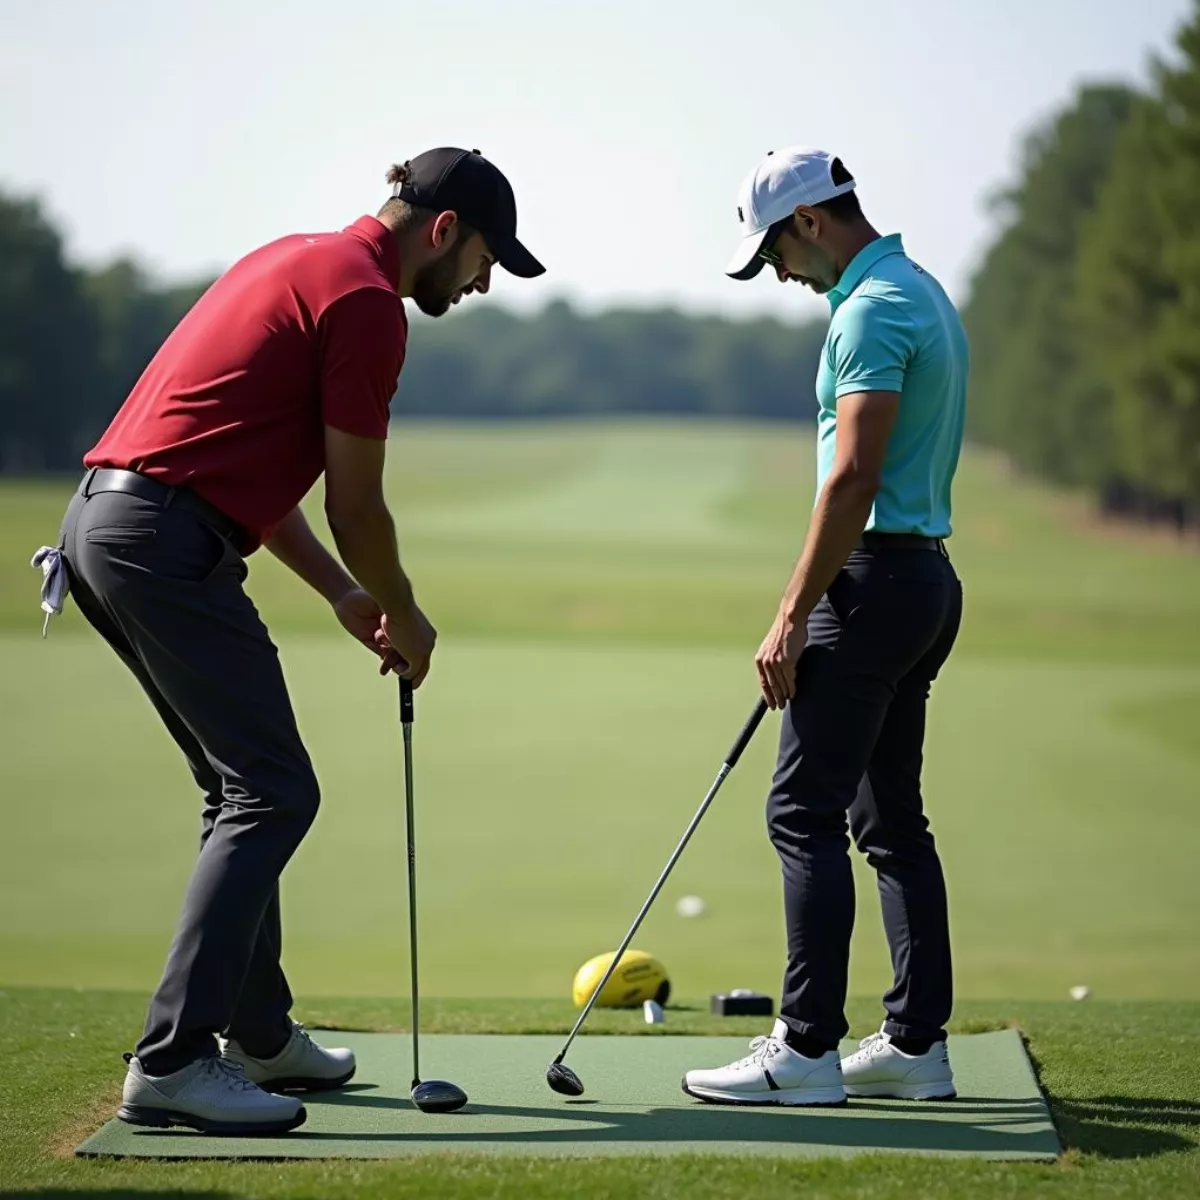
464 182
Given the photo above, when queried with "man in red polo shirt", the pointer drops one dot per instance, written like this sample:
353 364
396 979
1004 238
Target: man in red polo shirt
284 369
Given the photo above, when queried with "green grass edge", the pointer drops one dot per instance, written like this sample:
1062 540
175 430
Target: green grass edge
1123 1089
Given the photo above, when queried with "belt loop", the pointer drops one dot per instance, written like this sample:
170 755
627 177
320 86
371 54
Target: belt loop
170 497
87 481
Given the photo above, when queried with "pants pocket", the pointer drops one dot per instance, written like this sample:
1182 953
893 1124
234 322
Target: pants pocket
169 545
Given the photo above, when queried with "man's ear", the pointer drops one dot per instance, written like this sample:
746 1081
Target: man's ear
807 221
443 228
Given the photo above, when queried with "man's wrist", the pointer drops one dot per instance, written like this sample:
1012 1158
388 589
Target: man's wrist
398 602
795 607
338 585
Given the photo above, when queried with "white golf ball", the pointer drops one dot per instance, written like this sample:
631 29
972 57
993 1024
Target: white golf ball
1080 992
689 906
653 1013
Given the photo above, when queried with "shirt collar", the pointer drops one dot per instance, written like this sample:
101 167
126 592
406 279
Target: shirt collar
861 263
377 235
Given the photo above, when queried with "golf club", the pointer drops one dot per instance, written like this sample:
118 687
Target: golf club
559 1076
434 1095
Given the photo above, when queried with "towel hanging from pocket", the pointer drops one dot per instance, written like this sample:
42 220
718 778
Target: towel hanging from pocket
55 584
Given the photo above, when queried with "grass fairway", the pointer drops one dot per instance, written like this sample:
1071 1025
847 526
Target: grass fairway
600 590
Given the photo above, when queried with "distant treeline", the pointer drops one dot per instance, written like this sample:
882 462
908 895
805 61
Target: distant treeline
491 362
1085 314
73 341
1084 320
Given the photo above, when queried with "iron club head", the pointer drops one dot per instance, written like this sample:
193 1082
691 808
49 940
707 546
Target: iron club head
438 1096
563 1080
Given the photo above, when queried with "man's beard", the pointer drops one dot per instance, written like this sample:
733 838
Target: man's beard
436 285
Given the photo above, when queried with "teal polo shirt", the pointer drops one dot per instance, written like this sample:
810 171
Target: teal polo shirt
893 329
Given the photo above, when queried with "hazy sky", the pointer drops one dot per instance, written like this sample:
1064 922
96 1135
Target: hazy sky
188 132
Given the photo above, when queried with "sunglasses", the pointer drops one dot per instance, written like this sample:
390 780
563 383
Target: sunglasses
767 251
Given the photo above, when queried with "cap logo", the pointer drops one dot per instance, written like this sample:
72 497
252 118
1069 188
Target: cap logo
741 215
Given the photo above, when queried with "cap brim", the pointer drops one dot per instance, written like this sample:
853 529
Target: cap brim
515 259
745 264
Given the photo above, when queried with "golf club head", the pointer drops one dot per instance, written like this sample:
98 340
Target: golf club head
438 1096
563 1080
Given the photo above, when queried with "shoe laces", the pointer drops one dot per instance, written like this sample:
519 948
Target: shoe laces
302 1033
229 1073
763 1047
876 1043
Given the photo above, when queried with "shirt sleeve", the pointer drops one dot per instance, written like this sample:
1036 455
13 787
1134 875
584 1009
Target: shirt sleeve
871 344
362 342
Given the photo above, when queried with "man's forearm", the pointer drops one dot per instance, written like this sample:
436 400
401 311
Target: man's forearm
299 549
367 544
841 515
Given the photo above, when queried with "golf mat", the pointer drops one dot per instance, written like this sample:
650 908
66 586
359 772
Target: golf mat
633 1105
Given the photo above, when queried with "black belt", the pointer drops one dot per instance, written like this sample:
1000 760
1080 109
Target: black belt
106 479
900 541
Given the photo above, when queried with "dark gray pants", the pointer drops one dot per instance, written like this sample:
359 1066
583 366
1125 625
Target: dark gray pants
165 591
851 746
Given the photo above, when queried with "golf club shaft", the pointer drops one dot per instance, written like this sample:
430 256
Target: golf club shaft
743 740
406 724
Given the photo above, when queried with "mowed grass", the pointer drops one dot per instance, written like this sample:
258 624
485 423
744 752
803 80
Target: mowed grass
551 786
600 590
684 534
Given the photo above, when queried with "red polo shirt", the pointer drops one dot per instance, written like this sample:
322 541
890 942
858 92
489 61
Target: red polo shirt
306 332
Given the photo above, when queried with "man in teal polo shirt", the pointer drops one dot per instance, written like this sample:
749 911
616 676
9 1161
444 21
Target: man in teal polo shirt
868 618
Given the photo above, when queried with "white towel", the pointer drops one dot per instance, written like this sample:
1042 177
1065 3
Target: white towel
54 582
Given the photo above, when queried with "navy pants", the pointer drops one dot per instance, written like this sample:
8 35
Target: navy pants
850 754
165 591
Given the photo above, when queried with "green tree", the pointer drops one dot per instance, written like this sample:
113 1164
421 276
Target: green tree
47 345
1138 282
489 362
1031 394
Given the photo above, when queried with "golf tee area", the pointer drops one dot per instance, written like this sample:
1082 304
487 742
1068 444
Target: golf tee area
599 591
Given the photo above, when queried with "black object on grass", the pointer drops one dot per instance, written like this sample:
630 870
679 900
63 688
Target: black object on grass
741 1003
559 1076
434 1095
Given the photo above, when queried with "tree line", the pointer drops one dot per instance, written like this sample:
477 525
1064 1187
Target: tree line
1084 316
73 341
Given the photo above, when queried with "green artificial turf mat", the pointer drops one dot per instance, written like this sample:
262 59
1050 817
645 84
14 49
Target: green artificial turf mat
633 1106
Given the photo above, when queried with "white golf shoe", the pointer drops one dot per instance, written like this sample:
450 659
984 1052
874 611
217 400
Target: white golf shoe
210 1094
301 1066
879 1069
773 1073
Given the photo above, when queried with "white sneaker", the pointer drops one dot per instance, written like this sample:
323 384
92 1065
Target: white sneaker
301 1065
877 1068
210 1094
773 1073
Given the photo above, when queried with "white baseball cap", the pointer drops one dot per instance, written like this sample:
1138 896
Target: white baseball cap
771 192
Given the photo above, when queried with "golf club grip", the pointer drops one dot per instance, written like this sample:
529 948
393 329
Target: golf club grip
743 738
406 702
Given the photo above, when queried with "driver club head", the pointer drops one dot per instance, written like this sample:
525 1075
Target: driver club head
563 1080
438 1096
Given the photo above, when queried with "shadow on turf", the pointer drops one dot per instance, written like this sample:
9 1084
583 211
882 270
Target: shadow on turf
1126 1126
701 1124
